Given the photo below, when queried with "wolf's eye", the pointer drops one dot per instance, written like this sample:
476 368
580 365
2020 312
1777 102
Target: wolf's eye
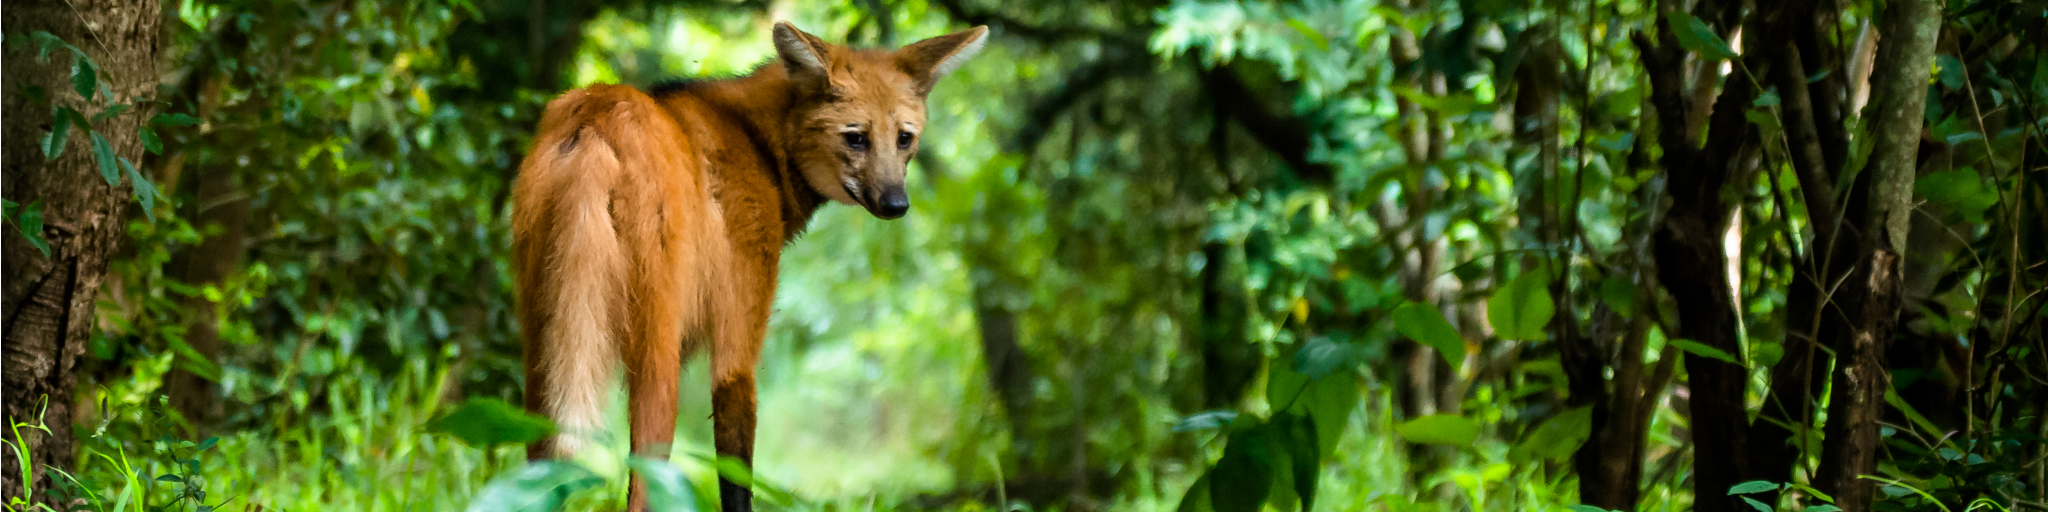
856 140
903 140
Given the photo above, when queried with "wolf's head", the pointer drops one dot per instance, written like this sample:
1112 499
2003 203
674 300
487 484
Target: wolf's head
859 114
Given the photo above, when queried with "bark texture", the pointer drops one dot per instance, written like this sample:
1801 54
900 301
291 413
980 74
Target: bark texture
1899 78
48 301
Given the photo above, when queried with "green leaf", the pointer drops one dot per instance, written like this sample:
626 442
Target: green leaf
110 112
84 78
174 119
1425 325
1766 353
537 487
32 227
1696 36
1823 508
60 133
1758 505
1949 70
1620 295
145 191
1298 440
1244 476
150 142
1207 420
668 489
1444 429
1320 356
1752 487
1313 36
1197 497
1557 437
488 422
1702 350
1520 310
1766 99
1330 402
1586 508
103 153
44 43
1949 186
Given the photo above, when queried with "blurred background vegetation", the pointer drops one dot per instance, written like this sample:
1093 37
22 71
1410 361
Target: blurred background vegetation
1164 255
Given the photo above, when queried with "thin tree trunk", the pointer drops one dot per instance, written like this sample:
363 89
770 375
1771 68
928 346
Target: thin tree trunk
48 301
1899 87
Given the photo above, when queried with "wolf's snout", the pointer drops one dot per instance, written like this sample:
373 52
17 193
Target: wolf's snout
894 202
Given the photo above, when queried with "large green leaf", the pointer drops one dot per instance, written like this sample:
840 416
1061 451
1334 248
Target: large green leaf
488 422
1445 429
1520 310
1197 497
1298 441
536 487
1244 476
1329 403
1425 325
668 489
1557 437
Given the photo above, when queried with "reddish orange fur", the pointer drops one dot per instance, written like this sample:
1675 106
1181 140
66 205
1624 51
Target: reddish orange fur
640 222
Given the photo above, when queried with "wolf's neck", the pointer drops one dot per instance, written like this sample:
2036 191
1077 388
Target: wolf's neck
760 103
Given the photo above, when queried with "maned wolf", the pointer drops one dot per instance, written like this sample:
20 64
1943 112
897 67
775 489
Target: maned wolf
644 224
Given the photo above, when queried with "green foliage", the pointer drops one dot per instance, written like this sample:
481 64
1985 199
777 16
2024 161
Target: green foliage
1443 429
539 487
1425 325
486 423
1695 36
1522 309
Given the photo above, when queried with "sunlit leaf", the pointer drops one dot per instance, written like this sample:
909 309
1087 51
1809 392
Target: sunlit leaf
1702 350
1444 429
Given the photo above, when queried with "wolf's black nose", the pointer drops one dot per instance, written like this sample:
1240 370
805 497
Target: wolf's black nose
894 203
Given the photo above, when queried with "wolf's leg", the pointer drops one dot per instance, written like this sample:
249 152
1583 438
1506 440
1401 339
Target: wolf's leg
742 324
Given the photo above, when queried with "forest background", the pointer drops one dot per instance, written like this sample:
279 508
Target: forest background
1398 255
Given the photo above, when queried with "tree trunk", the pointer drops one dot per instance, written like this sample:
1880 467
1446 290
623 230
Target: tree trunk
1690 261
1899 88
49 300
220 202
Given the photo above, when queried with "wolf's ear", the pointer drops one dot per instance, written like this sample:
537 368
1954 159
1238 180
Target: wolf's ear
929 60
803 56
